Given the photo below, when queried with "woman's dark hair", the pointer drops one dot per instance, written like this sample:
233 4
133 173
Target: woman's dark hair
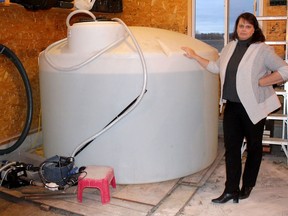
258 35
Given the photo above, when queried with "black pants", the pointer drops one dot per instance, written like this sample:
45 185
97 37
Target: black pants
237 125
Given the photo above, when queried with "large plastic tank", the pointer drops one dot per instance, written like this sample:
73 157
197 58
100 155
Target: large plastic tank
171 133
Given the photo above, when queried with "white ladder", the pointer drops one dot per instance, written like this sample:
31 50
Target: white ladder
283 141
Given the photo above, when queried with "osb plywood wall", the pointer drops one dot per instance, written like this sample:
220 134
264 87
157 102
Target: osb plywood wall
27 33
275 30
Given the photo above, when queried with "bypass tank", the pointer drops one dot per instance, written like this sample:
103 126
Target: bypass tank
170 134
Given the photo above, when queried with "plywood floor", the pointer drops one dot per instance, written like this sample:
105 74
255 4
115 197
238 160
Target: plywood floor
188 196
163 198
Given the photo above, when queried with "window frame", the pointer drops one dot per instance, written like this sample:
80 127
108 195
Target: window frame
191 31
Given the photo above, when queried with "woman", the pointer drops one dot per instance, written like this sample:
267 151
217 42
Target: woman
245 66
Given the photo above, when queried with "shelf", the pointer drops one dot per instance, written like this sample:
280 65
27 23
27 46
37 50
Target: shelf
281 117
281 92
276 42
275 141
268 18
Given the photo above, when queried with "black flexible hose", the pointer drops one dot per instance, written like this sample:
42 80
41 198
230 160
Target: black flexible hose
9 54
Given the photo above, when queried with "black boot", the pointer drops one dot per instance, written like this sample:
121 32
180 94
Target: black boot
225 197
245 192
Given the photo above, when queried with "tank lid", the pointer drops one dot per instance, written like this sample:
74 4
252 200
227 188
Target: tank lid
93 36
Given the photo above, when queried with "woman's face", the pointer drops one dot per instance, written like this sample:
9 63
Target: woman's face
244 29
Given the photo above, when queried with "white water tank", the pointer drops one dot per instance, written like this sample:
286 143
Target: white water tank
171 133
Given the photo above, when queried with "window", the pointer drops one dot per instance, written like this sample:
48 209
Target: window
210 22
213 19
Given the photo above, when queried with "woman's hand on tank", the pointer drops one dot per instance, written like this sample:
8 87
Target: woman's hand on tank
190 53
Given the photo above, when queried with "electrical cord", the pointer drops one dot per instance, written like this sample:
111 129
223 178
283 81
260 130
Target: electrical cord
64 41
56 166
43 179
7 165
8 53
57 173
75 67
73 179
68 181
132 106
5 175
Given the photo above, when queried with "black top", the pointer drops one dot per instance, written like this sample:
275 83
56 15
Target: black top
229 88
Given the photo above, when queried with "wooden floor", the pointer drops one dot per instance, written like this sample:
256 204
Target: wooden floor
11 205
164 198
187 196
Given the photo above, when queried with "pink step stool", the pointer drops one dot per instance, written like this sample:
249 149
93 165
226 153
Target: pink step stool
100 177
